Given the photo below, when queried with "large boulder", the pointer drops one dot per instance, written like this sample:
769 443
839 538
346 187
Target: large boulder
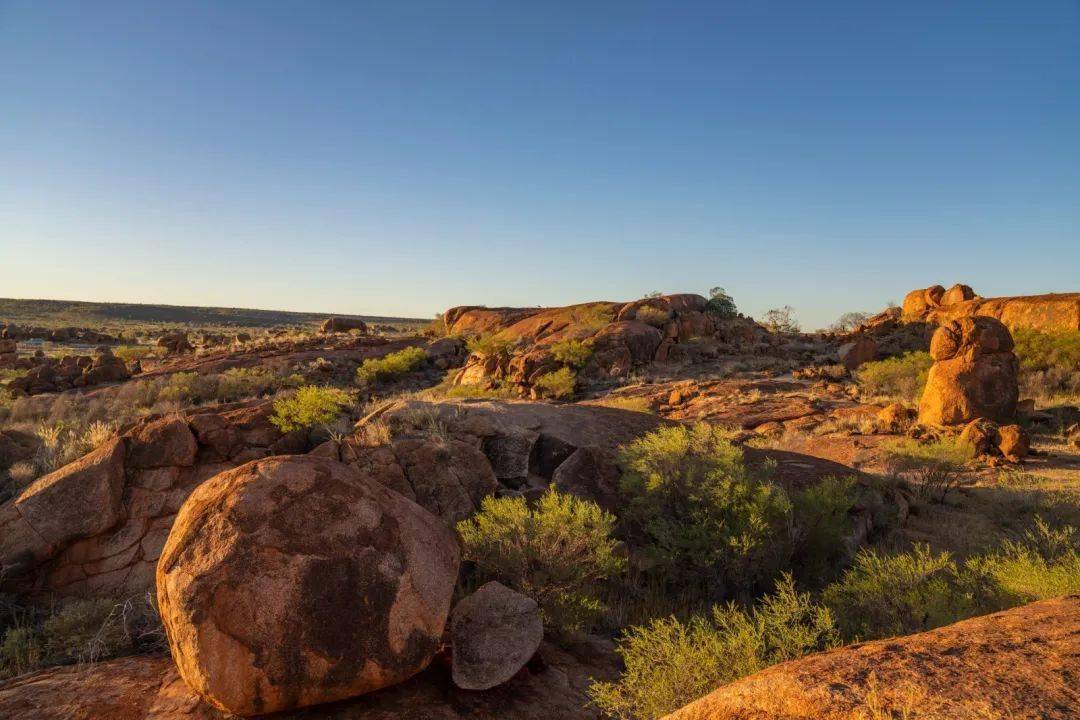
292 581
918 303
958 293
76 501
343 324
861 350
493 632
974 374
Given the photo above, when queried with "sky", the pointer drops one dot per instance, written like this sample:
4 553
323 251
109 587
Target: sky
399 157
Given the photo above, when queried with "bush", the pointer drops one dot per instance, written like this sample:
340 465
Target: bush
130 353
310 406
20 652
820 522
691 501
931 468
188 388
558 384
239 383
572 353
556 553
671 663
1044 563
487 346
652 316
886 595
392 366
720 304
1049 364
900 378
849 321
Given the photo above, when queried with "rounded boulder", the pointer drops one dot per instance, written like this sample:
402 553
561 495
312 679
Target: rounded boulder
494 632
292 581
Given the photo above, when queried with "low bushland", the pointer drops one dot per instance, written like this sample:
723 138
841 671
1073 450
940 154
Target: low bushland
310 407
670 662
390 367
896 379
1049 365
558 384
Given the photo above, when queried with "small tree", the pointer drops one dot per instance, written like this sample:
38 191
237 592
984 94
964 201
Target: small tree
849 321
720 303
781 320
556 553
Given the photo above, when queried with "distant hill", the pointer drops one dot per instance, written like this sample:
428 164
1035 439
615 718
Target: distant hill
59 313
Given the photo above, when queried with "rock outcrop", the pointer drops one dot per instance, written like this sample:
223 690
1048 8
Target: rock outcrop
290 582
96 527
343 324
46 374
1054 312
1020 663
974 374
493 632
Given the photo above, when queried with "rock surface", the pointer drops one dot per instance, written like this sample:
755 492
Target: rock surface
1054 312
1020 663
494 631
293 581
974 375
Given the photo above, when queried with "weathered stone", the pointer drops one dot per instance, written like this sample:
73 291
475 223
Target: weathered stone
448 479
161 443
860 350
295 580
974 374
1013 442
493 632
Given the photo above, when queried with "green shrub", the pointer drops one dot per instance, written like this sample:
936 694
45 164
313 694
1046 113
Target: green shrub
239 383
392 366
1044 563
900 378
820 522
130 353
309 406
188 388
946 452
557 553
1043 351
489 345
720 304
670 663
572 353
652 316
558 384
886 595
691 501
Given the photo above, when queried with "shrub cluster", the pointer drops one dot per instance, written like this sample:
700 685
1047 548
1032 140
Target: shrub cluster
556 552
558 384
391 366
310 406
694 506
669 663
572 353
901 378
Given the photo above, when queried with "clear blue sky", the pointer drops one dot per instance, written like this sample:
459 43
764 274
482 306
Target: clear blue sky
400 157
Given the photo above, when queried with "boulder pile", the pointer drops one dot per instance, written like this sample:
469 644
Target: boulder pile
46 374
1055 312
343 324
974 374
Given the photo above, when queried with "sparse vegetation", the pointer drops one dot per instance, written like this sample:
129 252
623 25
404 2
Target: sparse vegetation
652 316
849 321
781 320
1049 365
310 406
489 346
558 384
390 367
634 404
896 379
670 663
557 553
